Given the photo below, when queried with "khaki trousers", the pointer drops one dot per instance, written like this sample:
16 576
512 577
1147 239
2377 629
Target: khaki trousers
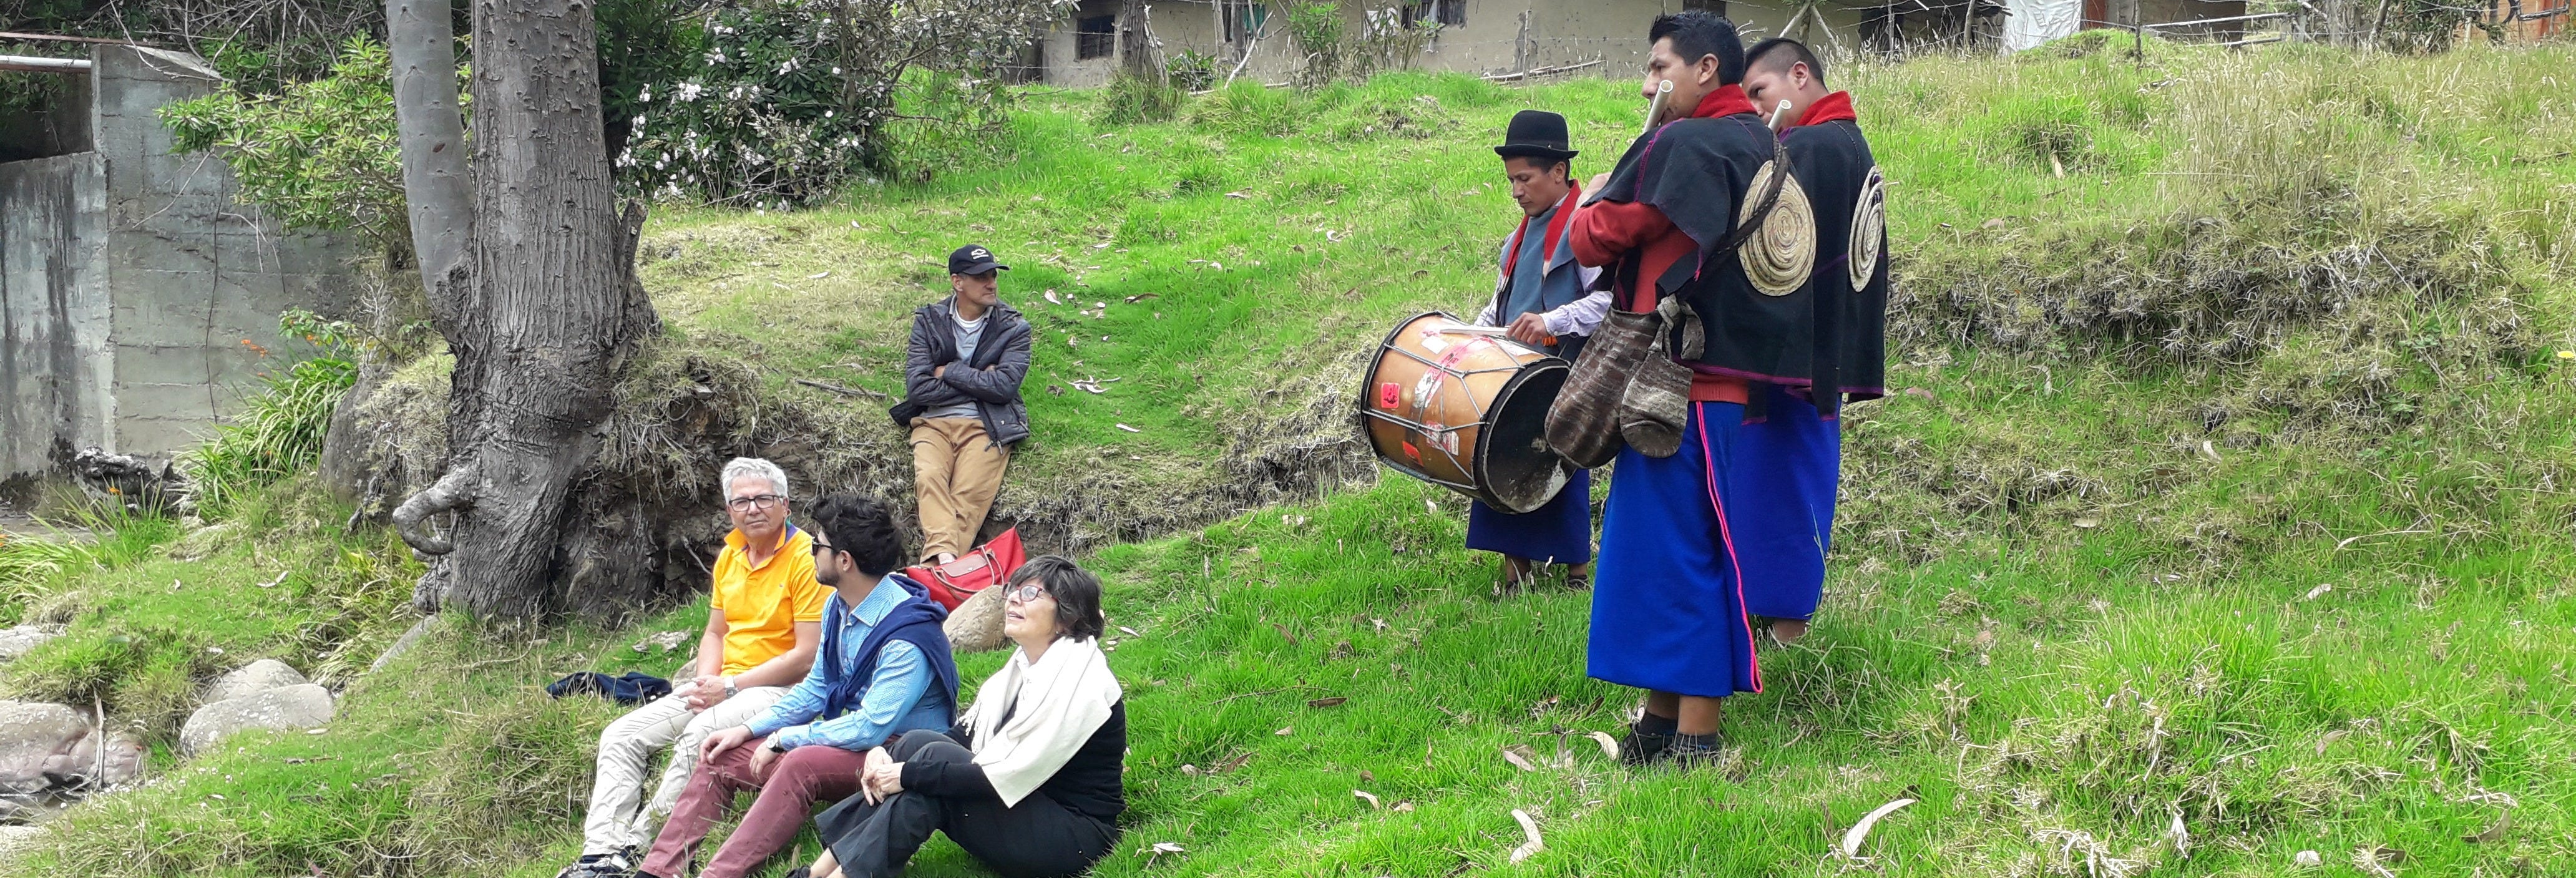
956 469
619 816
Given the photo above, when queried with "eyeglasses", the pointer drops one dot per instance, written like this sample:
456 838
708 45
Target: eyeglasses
1025 593
764 501
821 546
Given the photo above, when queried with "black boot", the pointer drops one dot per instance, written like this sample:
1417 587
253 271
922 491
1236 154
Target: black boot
1693 751
1643 747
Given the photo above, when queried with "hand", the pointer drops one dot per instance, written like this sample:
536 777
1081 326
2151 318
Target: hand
761 758
876 756
710 692
1598 180
882 781
941 372
716 744
1530 329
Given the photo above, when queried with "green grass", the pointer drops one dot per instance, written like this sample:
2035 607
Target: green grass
2227 481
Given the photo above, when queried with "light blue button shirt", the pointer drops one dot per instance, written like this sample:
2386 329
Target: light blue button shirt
897 698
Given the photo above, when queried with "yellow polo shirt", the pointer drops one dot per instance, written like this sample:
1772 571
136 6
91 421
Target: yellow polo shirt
761 605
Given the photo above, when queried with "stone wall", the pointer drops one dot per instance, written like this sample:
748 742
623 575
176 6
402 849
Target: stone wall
141 299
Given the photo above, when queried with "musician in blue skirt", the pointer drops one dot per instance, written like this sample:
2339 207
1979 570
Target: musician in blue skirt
1545 300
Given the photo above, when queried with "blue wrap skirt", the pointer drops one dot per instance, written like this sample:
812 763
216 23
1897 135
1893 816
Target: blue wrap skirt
1667 598
1559 532
1783 474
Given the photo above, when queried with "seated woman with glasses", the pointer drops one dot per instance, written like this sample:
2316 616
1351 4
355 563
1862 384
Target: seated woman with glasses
1029 782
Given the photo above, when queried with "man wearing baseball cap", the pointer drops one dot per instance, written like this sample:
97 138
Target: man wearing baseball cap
961 382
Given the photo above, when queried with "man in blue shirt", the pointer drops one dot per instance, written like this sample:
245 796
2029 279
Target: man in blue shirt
884 669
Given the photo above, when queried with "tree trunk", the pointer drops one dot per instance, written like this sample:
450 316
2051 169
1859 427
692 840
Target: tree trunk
421 39
546 310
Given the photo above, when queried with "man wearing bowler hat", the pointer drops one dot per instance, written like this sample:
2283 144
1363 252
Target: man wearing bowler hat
1545 300
961 383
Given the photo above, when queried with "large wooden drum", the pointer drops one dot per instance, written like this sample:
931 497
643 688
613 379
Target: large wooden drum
1465 408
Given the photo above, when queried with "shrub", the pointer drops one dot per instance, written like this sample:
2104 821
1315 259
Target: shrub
1132 99
319 154
795 99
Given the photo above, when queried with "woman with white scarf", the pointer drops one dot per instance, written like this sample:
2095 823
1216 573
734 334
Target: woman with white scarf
1030 781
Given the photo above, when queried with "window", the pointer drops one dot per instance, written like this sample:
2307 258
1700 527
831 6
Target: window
1448 13
1095 37
1246 21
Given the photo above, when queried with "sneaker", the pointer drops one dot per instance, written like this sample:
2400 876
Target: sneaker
618 863
1642 748
1688 752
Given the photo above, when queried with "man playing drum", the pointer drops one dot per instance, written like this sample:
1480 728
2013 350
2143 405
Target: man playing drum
1545 299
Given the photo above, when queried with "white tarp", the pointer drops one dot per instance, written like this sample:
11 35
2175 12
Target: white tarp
2033 22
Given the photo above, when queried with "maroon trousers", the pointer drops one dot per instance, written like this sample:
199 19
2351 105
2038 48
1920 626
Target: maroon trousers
789 788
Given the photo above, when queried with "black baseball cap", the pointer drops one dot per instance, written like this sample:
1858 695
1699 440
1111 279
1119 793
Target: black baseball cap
973 259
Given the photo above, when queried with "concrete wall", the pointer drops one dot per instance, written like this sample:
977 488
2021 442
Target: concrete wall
1492 39
142 299
53 311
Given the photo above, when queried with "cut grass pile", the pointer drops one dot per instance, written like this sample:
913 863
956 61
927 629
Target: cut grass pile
2222 511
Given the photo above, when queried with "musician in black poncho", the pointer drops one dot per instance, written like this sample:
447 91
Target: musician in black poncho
1787 463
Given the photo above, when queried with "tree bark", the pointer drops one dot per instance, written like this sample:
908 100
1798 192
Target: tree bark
540 317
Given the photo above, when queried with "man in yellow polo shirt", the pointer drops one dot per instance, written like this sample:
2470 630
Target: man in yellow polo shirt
764 622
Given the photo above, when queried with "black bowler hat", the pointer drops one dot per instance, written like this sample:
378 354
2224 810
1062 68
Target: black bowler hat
973 259
1536 134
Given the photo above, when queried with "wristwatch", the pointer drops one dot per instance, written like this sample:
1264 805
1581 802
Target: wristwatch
729 690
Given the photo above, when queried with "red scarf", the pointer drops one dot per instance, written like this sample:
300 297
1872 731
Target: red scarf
1830 108
1555 230
1727 100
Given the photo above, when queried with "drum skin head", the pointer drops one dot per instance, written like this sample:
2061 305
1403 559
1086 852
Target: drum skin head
1464 410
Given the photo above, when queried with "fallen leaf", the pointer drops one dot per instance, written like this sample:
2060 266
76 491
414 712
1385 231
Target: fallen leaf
2088 522
818 275
1191 770
1284 633
2309 859
1142 297
1238 195
1366 777
2208 450
2494 833
2328 740
1402 807
2320 591
1995 223
1609 745
1859 832
1284 731
1521 756
1335 701
316 731
1104 245
1131 632
1123 426
1529 827
1051 297
1371 798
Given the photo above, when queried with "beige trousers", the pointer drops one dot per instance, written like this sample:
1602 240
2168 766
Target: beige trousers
956 469
626 748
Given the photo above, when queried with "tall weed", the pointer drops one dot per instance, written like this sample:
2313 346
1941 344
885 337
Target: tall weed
279 430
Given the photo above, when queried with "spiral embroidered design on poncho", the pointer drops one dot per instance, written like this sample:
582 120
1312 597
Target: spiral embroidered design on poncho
1778 258
1869 230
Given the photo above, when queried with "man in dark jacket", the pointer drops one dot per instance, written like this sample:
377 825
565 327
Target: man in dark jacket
961 382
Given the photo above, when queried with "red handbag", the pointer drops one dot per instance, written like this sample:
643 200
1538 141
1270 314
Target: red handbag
980 568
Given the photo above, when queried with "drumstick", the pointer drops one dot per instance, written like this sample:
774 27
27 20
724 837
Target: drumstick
1490 331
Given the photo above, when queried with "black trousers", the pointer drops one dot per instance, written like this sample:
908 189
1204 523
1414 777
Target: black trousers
1038 838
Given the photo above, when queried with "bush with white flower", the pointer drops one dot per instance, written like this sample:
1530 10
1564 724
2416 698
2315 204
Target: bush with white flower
796 99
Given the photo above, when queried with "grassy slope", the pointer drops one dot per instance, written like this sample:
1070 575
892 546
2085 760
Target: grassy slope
2058 666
